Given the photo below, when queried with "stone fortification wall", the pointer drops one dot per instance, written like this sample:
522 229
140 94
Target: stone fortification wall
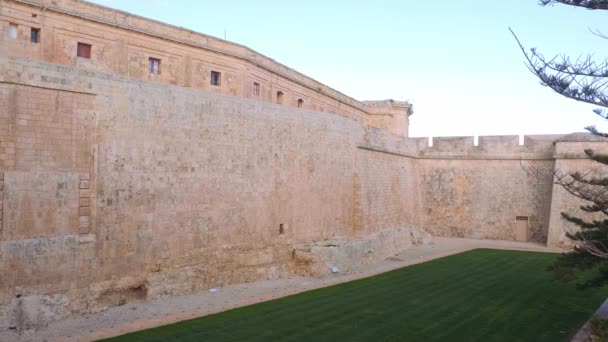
117 189
484 198
482 191
495 187
477 189
570 157
117 184
124 43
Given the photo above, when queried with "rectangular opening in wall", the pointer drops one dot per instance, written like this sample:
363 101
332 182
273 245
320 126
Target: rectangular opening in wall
521 140
35 35
281 229
216 78
521 228
430 142
12 30
475 140
154 65
256 89
280 98
83 50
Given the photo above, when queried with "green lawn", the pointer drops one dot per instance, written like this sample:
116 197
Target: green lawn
481 295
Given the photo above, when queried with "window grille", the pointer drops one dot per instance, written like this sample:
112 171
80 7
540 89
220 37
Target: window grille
154 66
35 35
216 78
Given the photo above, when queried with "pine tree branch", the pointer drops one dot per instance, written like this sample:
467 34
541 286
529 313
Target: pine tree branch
594 131
600 158
589 4
583 80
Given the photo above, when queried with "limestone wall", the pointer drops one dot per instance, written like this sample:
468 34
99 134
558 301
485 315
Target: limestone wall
114 188
476 190
479 191
482 198
133 189
486 189
123 43
570 157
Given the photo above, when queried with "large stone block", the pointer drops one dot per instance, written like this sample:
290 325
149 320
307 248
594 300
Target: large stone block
321 258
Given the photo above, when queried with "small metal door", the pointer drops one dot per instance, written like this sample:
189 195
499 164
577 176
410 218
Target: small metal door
521 228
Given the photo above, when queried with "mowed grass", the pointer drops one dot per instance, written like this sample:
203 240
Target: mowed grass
481 295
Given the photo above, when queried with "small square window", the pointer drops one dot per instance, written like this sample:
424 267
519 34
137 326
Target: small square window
154 66
12 30
84 50
35 35
256 89
216 78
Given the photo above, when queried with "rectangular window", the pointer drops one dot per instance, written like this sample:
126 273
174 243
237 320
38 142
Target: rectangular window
83 50
35 35
154 66
256 89
216 78
280 98
12 31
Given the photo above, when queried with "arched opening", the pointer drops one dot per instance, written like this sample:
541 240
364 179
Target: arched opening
300 103
279 97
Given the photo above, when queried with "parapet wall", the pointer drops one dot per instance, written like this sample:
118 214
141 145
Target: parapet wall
465 147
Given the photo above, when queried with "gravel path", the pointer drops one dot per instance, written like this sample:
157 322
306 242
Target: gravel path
137 316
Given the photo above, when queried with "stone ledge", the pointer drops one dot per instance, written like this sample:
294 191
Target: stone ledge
318 258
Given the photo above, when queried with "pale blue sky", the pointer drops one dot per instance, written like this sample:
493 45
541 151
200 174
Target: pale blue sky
454 60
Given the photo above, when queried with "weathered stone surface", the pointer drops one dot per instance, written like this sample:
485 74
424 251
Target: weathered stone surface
481 199
122 43
186 190
39 204
570 157
119 185
318 258
32 312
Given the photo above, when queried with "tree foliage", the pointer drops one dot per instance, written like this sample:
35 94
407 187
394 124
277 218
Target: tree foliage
583 79
590 4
